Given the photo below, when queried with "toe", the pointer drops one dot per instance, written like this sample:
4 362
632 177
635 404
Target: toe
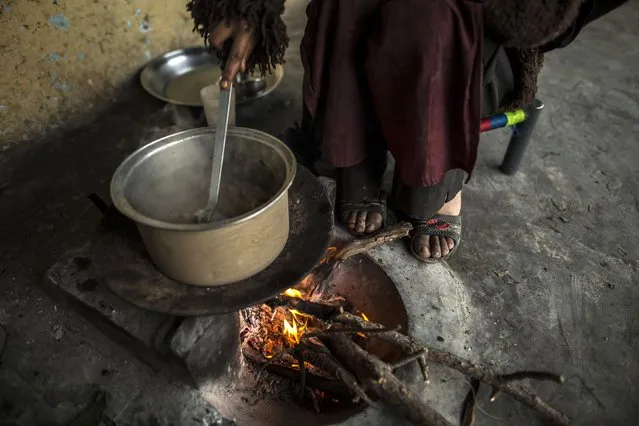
421 244
435 248
351 221
444 246
360 227
373 222
451 243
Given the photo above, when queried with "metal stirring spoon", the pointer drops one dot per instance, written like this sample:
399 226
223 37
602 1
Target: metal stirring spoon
205 215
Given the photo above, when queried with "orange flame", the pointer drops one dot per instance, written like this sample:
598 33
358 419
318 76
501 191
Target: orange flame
363 315
290 331
294 330
300 317
329 254
306 364
291 292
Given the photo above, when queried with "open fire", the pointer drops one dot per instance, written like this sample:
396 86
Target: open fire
324 353
275 333
284 328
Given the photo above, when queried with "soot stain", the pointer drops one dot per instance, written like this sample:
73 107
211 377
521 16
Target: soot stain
88 285
82 263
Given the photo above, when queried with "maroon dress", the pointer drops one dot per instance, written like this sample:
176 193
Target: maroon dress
409 76
405 73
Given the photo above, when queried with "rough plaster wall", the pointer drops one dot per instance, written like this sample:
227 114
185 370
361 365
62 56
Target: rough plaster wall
60 58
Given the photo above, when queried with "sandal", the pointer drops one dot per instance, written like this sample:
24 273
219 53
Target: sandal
368 205
437 226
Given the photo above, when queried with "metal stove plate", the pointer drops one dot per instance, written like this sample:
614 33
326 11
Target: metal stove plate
120 261
178 76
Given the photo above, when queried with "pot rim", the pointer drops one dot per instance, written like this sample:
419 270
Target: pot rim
122 173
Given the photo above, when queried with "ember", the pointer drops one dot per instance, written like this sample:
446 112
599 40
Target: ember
277 331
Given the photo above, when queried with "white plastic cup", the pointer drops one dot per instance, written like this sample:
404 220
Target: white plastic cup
211 102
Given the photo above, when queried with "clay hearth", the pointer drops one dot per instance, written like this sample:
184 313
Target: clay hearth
204 350
194 333
236 390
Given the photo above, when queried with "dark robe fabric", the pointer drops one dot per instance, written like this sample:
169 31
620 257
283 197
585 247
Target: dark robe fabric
408 72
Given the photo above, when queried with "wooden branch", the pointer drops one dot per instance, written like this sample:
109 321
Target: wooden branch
469 404
301 362
356 330
271 361
321 311
365 244
331 366
407 360
378 378
365 369
533 375
323 273
479 372
333 387
522 375
489 377
404 343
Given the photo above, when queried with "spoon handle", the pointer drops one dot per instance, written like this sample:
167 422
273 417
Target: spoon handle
218 147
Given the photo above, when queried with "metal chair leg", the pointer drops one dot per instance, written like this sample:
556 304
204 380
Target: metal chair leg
521 139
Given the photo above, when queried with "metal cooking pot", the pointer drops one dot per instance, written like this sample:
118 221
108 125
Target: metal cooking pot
161 186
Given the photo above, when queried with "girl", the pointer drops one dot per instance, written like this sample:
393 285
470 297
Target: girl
412 77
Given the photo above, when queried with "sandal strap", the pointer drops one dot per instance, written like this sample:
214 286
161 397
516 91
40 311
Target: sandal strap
371 206
366 205
440 226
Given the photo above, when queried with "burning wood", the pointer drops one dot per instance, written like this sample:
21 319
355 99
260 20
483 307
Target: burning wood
316 340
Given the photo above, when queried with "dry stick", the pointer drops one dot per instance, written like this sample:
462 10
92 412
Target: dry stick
323 273
356 330
497 381
331 366
469 404
407 360
403 342
534 375
522 375
315 402
317 382
378 378
270 361
311 345
302 366
487 376
321 311
364 244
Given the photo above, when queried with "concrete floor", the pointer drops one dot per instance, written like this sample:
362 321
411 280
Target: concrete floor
545 279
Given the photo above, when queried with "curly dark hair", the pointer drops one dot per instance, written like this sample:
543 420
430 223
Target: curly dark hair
263 16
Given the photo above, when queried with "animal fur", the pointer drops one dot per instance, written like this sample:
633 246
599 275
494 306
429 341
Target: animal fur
526 24
523 27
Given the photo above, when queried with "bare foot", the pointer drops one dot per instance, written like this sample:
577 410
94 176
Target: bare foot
437 247
363 222
361 206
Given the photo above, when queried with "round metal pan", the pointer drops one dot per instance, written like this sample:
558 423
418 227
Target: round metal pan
123 265
178 76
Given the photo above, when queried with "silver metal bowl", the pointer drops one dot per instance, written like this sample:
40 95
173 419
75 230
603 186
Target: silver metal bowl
162 185
178 76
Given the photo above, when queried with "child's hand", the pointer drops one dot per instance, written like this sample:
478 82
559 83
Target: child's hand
243 43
